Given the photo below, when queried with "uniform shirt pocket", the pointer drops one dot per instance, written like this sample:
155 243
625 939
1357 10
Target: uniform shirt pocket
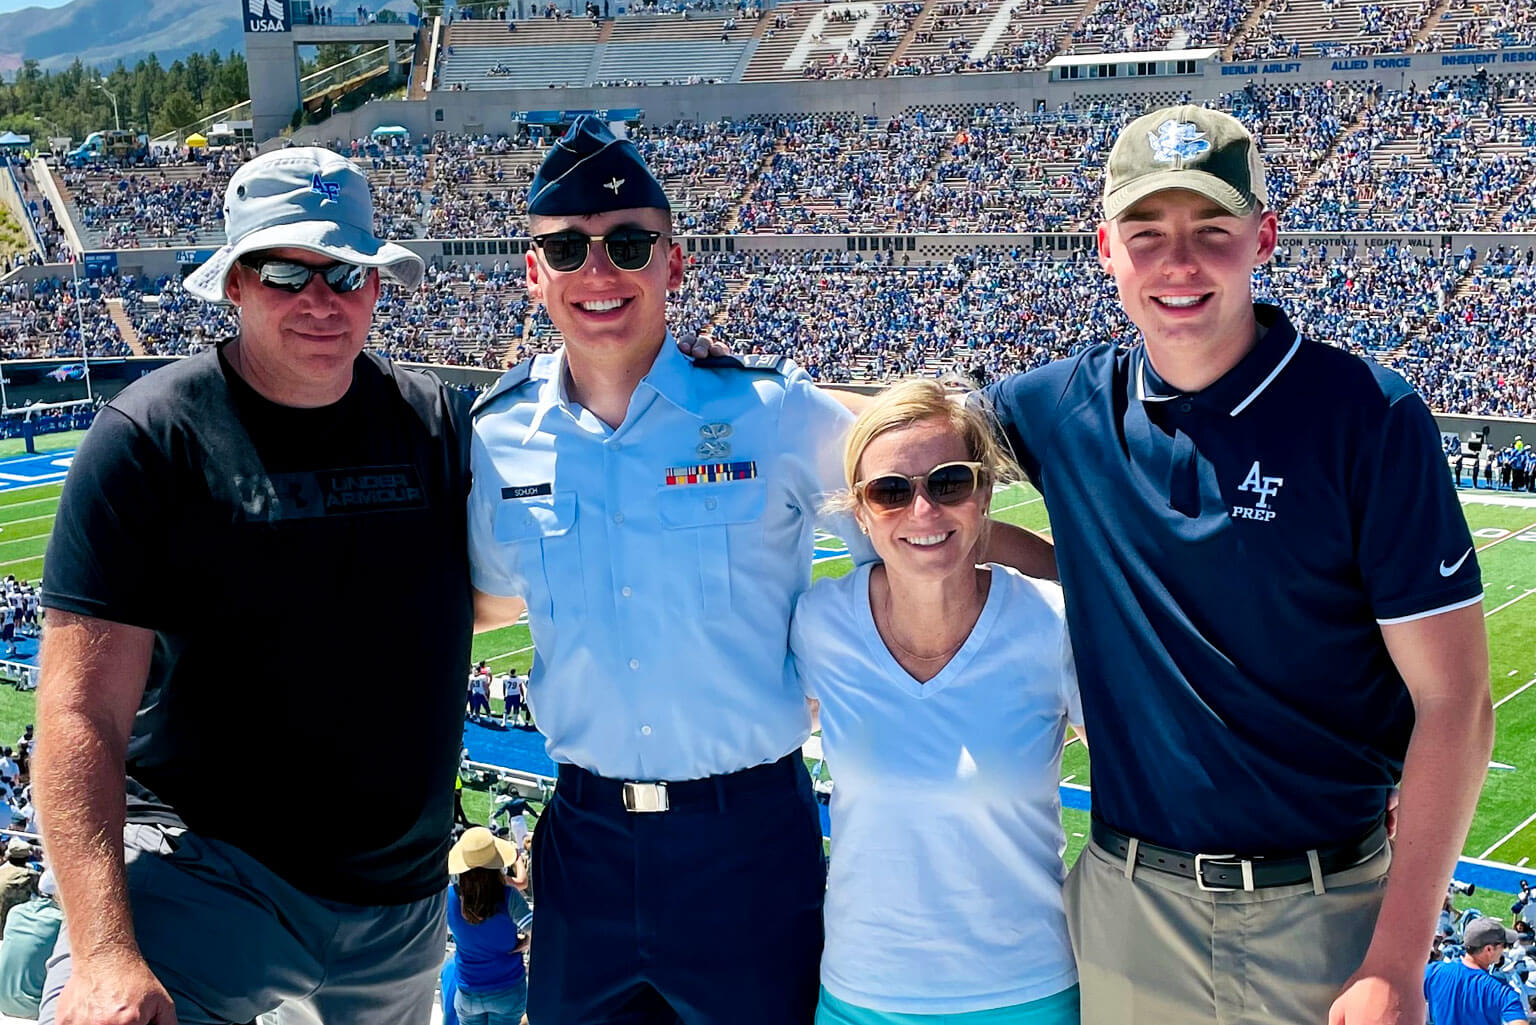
704 522
539 539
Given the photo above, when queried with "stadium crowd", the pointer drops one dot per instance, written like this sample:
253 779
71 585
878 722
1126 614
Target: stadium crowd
1459 324
1343 157
30 915
42 319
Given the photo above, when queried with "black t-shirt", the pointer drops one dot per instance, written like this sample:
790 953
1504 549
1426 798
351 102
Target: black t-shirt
271 549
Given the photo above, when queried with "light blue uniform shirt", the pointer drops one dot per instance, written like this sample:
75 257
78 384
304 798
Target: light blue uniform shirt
660 612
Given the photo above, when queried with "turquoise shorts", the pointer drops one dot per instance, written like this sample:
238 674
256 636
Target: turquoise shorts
1056 1009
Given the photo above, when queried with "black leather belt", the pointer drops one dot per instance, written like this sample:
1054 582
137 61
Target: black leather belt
712 793
1225 872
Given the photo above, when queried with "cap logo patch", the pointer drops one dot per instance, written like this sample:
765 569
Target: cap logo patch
1177 141
615 185
331 191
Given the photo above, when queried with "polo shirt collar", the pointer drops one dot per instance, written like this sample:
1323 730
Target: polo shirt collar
1239 387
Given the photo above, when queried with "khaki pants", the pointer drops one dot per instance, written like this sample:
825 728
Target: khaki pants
1154 949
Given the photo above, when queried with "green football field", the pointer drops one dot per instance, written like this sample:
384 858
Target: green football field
1504 527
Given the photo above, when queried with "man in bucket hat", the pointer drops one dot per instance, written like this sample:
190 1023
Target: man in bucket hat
1275 606
232 525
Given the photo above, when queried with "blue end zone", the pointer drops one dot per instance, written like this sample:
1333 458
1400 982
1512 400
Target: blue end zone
28 471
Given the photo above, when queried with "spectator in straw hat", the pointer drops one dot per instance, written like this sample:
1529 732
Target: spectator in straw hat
491 924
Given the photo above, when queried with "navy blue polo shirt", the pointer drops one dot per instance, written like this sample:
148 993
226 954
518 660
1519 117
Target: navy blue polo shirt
1228 557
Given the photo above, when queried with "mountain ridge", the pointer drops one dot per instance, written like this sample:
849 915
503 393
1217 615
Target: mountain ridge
130 31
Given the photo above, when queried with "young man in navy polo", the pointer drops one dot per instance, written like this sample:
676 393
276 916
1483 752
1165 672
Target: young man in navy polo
1277 612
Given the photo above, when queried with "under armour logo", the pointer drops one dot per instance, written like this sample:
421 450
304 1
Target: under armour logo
330 190
615 185
1177 141
265 8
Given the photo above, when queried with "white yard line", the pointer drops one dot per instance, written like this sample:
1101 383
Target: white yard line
1507 537
1017 505
498 658
1497 498
1514 693
29 519
1507 604
1508 836
30 501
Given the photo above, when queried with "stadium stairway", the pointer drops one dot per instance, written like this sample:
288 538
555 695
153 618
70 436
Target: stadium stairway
418 84
911 33
125 326
1432 22
1250 24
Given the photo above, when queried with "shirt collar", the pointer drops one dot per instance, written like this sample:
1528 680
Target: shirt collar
672 376
549 370
1239 387
669 377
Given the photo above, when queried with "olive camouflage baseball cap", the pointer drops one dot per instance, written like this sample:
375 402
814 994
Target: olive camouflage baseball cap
1188 147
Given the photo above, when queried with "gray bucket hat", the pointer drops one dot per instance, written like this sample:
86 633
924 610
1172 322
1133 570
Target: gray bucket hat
303 198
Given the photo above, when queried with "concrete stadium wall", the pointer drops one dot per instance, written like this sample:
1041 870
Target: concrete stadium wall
27 381
491 110
155 263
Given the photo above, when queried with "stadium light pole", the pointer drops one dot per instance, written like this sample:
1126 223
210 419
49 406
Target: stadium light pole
113 97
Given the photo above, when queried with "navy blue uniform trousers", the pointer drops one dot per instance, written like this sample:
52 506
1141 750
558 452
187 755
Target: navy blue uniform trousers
706 914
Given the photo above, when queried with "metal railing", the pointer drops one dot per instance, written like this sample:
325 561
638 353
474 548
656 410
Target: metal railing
354 67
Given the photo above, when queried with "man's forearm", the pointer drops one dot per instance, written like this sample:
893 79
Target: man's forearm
93 679
1024 550
78 786
1442 775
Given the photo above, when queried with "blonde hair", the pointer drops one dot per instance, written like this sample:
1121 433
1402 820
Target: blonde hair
922 400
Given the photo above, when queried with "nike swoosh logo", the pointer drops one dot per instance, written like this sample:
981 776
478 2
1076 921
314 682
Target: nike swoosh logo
1446 571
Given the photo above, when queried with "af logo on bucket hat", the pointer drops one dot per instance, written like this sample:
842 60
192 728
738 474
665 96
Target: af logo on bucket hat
1188 147
302 198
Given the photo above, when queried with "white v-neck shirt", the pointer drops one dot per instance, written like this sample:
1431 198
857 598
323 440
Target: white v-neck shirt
944 894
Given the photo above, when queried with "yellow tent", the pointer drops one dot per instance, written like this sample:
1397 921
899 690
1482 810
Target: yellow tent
196 141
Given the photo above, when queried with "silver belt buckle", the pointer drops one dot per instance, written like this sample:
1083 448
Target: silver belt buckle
645 797
1244 865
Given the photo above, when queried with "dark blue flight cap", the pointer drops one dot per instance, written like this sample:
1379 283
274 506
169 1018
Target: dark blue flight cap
590 171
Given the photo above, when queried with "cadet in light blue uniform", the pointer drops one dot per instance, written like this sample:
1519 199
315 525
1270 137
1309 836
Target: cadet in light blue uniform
656 513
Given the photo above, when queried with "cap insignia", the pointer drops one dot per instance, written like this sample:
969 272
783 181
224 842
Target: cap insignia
1177 141
331 191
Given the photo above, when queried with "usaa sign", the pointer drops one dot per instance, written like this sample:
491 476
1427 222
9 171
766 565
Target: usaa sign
266 16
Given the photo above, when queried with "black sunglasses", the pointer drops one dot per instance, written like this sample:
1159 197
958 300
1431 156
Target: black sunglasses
629 247
292 276
945 484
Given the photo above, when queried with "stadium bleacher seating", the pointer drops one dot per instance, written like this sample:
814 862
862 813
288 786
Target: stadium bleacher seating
1346 157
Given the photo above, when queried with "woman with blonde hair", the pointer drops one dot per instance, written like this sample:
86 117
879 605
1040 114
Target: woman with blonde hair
946 690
